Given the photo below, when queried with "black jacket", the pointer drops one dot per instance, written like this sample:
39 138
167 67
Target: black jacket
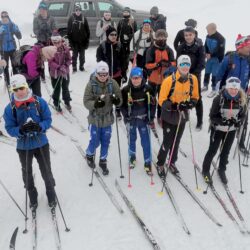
179 39
158 23
78 30
196 52
126 26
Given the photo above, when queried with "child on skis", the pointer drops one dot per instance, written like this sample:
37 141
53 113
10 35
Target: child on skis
59 72
138 110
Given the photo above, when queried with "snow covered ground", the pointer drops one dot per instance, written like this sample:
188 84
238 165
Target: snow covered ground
95 223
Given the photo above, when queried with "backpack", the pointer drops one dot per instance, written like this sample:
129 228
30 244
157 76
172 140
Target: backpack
112 23
95 86
136 45
18 58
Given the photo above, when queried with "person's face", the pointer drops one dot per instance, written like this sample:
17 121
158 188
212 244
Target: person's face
5 18
107 16
43 13
210 31
57 44
126 13
184 68
20 93
146 27
189 37
232 91
102 77
136 81
78 12
113 36
245 51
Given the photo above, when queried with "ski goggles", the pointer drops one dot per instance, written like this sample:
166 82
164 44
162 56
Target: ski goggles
185 64
21 88
103 74
234 79
146 21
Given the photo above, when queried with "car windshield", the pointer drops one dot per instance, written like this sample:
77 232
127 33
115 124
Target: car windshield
117 4
59 9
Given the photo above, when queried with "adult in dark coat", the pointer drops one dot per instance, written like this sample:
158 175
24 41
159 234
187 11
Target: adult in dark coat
158 21
78 35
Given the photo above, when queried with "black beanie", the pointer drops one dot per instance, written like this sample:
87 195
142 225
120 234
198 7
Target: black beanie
154 10
191 22
189 29
110 30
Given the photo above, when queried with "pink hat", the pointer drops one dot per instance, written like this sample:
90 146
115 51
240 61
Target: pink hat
242 41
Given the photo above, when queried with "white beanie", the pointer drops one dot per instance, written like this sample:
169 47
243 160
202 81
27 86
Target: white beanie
18 81
183 59
233 83
102 67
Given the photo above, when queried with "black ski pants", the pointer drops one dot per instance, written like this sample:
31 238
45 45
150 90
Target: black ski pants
8 56
35 85
199 104
78 50
244 132
156 90
218 138
169 132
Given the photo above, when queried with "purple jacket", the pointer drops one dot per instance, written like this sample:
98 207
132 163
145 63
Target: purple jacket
33 62
59 64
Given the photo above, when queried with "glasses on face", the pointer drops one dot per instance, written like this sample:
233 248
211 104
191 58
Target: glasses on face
21 88
113 34
102 74
185 64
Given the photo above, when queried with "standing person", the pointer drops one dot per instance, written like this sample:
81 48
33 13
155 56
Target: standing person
126 28
158 21
8 30
101 93
59 72
111 52
103 24
226 115
78 35
194 48
143 39
215 49
27 118
159 58
138 111
237 64
179 93
179 39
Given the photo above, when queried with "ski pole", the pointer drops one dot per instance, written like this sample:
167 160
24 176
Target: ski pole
119 148
246 156
193 155
241 191
129 170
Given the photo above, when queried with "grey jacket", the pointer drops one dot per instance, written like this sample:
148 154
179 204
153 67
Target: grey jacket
43 28
101 117
100 26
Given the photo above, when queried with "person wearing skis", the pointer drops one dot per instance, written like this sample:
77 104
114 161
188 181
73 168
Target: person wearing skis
103 24
78 35
138 110
101 93
226 116
143 39
159 58
194 48
111 52
158 21
215 49
179 93
27 118
8 30
237 64
126 28
59 72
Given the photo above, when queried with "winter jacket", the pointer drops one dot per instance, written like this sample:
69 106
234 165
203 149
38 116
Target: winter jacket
158 23
142 41
234 65
43 28
126 29
33 62
182 92
100 32
113 55
137 110
101 117
196 52
179 39
7 32
215 45
224 108
78 30
154 57
59 64
14 122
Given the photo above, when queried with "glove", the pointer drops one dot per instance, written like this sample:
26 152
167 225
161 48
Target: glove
15 28
127 119
151 124
115 100
165 63
131 56
190 104
238 123
149 40
182 106
2 29
174 106
124 79
99 103
29 127
125 37
63 70
228 122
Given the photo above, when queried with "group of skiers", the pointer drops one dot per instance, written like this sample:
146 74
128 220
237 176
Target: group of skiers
158 85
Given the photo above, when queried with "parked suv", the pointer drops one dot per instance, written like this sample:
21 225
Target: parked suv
93 10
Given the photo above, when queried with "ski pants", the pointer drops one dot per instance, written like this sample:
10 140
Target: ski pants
156 90
35 85
57 84
145 140
244 131
212 66
8 55
126 53
99 136
217 138
42 156
199 104
78 49
169 132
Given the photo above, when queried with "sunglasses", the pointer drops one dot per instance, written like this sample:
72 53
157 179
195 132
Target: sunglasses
102 74
21 88
113 34
185 65
236 80
4 16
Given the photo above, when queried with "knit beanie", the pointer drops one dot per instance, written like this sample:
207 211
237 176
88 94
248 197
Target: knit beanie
110 30
242 41
191 22
42 5
154 11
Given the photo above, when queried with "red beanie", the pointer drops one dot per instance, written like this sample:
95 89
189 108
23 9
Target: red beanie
242 41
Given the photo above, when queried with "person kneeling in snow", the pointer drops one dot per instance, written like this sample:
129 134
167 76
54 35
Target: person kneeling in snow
101 93
28 118
138 110
227 115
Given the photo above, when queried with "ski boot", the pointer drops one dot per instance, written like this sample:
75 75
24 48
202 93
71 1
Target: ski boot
222 176
81 68
33 198
148 168
103 166
199 126
173 169
51 195
68 106
118 114
90 161
207 177
161 171
132 162
58 108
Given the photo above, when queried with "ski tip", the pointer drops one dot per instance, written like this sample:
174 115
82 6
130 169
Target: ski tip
129 186
160 193
152 183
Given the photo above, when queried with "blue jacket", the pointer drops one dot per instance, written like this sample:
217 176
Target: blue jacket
7 32
41 115
239 68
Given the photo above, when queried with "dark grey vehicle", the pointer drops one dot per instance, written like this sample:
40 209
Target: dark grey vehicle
93 10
